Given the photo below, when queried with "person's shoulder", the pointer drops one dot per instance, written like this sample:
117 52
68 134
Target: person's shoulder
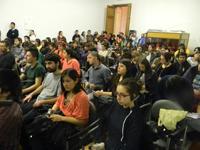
82 94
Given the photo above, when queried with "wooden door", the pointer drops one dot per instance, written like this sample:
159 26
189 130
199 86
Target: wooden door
128 19
110 19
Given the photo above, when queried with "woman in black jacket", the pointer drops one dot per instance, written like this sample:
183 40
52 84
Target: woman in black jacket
123 120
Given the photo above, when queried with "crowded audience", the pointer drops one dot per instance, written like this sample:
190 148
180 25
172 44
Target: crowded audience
64 76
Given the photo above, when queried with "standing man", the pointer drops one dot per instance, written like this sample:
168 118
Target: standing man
12 33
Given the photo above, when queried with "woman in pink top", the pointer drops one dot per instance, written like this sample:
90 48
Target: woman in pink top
70 61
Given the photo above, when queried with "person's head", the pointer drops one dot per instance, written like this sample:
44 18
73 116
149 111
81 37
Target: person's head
83 33
32 32
60 33
10 87
89 32
32 54
26 39
136 56
197 53
123 67
182 57
4 46
37 42
52 62
70 81
44 43
105 45
165 58
12 25
76 32
17 41
93 57
61 45
178 89
69 53
48 39
182 47
144 66
127 92
151 47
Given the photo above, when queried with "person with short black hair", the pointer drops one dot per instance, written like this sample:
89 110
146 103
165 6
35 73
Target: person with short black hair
7 59
12 33
98 75
182 64
34 73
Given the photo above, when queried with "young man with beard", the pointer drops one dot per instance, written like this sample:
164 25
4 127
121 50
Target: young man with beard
48 92
50 87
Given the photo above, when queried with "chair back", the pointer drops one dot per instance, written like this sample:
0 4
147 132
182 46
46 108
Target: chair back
165 104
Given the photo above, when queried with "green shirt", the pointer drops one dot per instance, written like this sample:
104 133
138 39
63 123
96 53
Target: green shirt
31 73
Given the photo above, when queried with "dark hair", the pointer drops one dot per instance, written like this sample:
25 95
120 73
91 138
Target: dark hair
131 69
70 52
27 37
73 74
197 50
182 46
5 42
10 82
131 86
53 57
34 51
177 89
38 41
95 54
167 56
12 23
48 39
182 54
147 65
19 39
46 43
59 32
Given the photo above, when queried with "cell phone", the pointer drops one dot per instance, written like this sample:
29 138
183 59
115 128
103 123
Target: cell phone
5 102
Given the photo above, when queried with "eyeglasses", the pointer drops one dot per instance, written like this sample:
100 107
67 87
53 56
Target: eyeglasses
122 95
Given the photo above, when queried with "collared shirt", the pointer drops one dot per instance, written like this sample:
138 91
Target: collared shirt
99 76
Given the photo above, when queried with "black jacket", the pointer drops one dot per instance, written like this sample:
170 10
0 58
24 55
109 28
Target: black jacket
12 34
124 127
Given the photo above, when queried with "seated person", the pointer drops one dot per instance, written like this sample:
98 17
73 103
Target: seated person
125 69
193 60
34 73
146 78
177 89
71 61
50 88
166 67
98 75
123 119
17 50
7 59
74 105
10 113
193 76
182 64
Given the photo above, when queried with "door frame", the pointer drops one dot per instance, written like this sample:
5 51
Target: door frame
129 5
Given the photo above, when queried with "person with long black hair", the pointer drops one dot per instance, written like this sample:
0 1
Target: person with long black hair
73 105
